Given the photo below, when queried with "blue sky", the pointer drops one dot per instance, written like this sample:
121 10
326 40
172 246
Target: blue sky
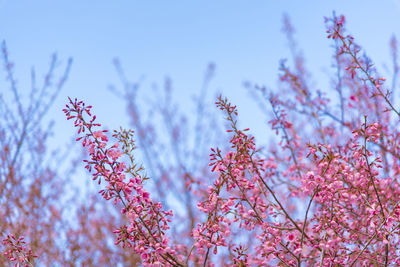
155 39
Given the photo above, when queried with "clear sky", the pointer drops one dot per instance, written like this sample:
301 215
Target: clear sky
178 39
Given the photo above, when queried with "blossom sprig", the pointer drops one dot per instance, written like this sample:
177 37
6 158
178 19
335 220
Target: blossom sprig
253 204
17 251
148 222
336 30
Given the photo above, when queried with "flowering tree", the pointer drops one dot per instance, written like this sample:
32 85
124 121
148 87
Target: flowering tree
326 193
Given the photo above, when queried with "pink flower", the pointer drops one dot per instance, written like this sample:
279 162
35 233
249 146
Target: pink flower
291 237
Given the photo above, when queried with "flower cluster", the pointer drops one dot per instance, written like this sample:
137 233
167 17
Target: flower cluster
16 251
